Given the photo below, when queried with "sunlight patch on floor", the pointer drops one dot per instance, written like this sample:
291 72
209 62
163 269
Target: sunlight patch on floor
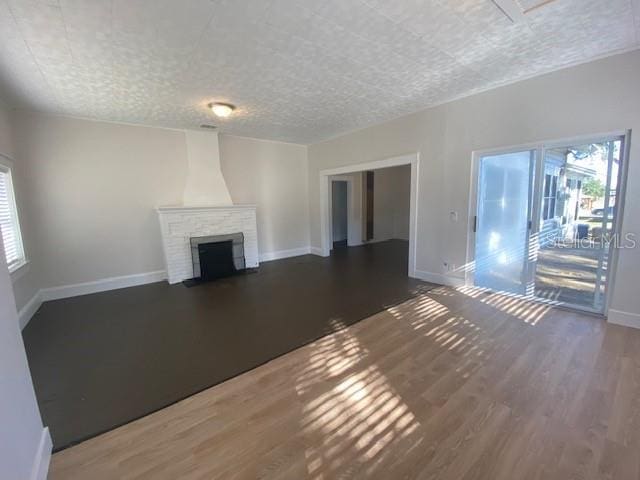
524 309
358 417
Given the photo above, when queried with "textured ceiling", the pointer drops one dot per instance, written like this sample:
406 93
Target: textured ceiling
298 70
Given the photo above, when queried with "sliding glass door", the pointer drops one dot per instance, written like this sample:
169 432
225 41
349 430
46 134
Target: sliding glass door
545 220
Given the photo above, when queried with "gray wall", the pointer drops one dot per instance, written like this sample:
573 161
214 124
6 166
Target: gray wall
597 97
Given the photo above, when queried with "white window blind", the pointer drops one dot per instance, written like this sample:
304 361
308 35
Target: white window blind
9 221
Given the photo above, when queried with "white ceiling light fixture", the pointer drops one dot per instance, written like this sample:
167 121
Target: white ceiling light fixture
222 110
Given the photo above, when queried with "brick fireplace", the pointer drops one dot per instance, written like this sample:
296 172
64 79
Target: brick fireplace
179 224
207 210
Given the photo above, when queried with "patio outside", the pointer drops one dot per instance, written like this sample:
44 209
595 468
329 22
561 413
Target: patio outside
569 273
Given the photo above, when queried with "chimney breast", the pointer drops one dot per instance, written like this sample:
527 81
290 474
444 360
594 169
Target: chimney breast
205 184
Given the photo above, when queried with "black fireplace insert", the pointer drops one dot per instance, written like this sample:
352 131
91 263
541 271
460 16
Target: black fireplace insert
216 260
216 256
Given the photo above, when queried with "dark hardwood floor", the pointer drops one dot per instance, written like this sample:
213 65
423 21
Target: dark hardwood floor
102 360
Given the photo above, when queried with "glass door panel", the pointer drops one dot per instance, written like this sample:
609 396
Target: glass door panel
576 221
502 221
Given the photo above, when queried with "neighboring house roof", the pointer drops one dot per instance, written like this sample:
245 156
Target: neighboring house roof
554 161
578 171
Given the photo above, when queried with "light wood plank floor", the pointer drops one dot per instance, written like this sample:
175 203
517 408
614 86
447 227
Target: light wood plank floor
450 385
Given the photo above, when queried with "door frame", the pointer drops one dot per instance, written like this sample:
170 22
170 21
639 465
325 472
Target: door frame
412 159
540 148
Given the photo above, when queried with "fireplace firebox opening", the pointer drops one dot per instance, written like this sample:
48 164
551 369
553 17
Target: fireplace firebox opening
216 256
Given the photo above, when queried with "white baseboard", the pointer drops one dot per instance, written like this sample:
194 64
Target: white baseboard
438 278
102 285
316 251
626 319
43 457
294 252
29 310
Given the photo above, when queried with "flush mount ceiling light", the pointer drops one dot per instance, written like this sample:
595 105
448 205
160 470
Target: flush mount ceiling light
221 109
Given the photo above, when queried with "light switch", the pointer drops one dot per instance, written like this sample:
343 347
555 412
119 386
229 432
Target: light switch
453 216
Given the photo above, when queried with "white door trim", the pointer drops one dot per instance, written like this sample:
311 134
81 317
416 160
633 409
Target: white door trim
412 159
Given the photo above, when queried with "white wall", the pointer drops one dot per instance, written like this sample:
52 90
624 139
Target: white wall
87 193
25 445
271 175
597 97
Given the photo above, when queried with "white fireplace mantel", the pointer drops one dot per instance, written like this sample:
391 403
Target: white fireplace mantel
178 208
179 223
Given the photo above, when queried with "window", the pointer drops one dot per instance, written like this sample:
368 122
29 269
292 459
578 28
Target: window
11 237
549 198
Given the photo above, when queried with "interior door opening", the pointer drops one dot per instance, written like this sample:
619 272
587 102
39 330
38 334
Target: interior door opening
339 213
368 205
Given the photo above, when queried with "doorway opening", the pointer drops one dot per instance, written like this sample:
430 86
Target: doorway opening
339 212
370 206
381 206
546 220
369 197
